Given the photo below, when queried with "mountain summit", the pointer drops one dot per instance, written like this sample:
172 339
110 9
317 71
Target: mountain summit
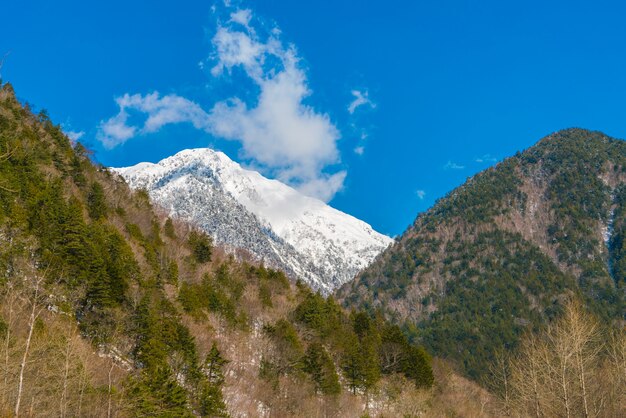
498 255
242 209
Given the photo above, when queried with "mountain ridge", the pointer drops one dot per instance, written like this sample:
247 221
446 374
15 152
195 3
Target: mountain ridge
502 251
309 239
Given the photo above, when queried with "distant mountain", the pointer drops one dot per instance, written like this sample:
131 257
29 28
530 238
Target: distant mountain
498 255
242 209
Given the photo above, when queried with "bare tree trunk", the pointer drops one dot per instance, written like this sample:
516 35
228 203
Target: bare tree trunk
31 326
68 349
81 386
583 384
110 389
11 298
565 392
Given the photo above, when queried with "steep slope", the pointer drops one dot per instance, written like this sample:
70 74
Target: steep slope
498 255
109 308
242 209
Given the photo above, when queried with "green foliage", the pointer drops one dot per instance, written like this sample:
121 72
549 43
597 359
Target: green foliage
320 366
364 344
211 399
160 333
319 314
172 272
96 202
270 282
360 364
416 366
156 393
288 346
399 356
151 243
617 248
201 246
220 295
486 310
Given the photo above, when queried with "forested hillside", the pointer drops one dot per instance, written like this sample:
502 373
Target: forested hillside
109 308
498 257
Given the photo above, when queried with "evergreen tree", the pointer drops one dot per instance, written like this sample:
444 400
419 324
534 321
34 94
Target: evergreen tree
416 367
211 399
320 366
158 394
213 365
201 246
96 202
352 366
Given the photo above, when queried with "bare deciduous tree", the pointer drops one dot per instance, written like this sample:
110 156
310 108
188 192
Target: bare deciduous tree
571 370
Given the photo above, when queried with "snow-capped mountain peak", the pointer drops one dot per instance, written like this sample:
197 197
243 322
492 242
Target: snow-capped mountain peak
240 208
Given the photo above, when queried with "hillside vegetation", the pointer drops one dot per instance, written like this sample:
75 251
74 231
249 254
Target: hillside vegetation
499 256
109 308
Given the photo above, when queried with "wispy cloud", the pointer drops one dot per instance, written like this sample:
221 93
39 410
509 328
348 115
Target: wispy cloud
281 134
74 136
243 17
487 158
360 150
115 131
420 194
159 111
361 98
450 165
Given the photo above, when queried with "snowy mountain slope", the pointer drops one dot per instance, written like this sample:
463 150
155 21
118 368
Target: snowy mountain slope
242 209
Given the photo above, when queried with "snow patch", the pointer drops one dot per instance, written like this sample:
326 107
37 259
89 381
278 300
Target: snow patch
240 208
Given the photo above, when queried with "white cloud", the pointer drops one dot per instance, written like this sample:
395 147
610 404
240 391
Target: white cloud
450 165
279 133
74 136
115 131
324 187
242 17
236 48
164 110
291 139
420 194
361 98
159 111
359 150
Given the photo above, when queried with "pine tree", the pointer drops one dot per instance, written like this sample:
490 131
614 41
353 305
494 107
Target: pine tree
158 394
201 246
416 367
211 399
320 366
352 366
96 202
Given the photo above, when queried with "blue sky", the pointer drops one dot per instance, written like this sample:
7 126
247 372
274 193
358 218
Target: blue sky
445 88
